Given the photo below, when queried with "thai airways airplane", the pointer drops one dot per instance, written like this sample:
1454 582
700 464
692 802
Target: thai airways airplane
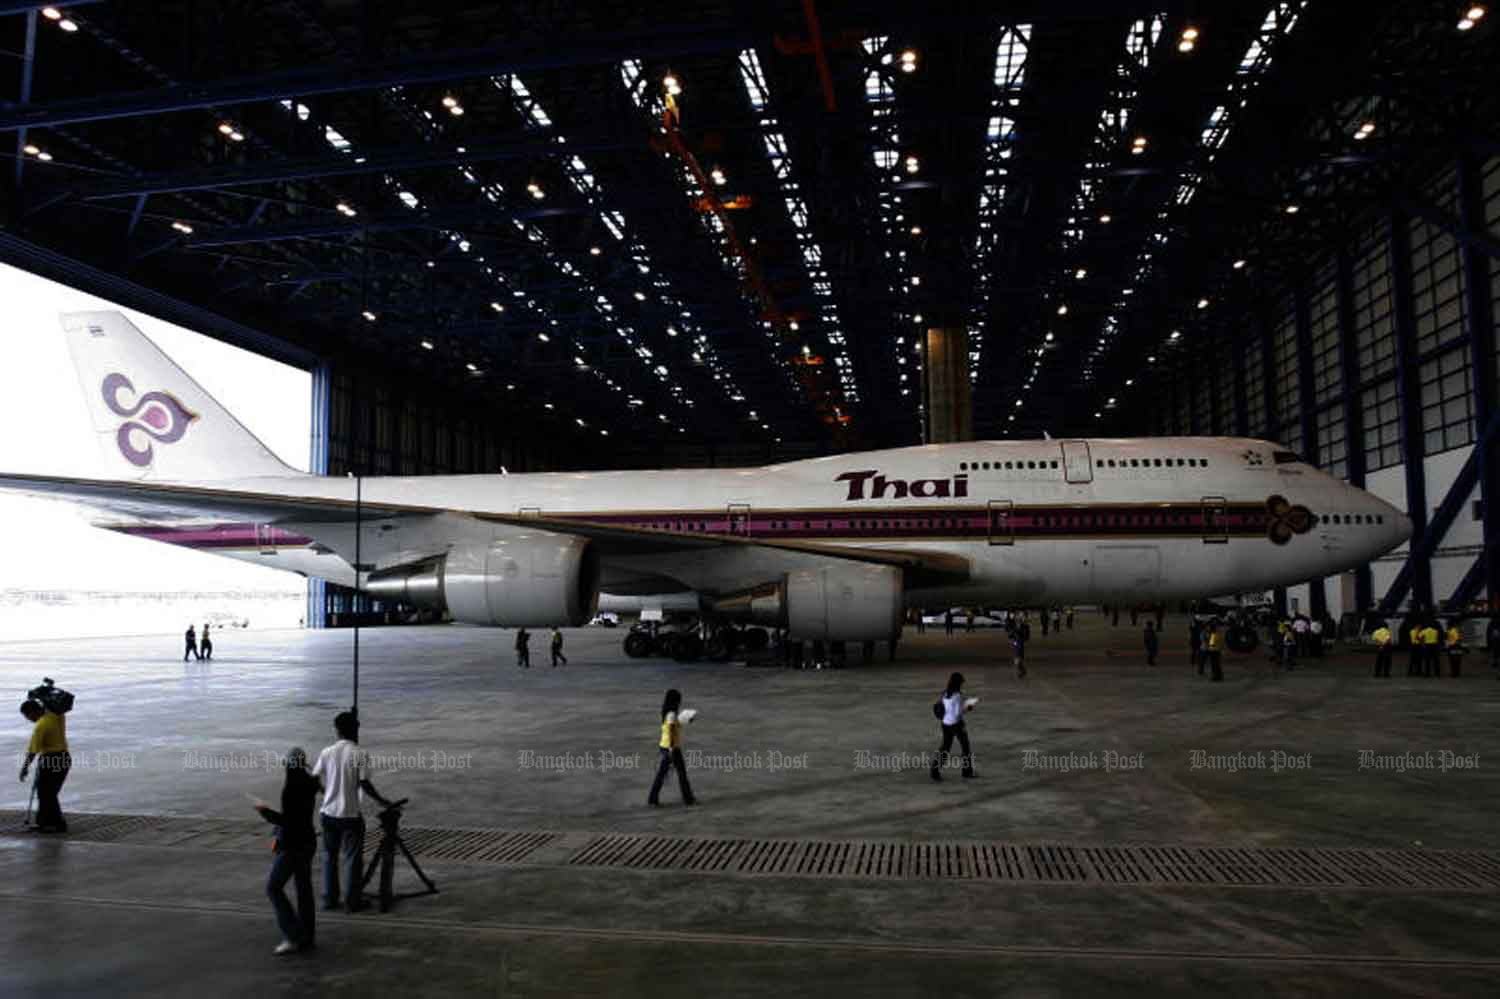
829 548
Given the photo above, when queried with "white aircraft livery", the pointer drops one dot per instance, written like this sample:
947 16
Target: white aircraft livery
829 548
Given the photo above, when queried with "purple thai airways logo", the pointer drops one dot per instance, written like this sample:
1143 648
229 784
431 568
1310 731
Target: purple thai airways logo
158 415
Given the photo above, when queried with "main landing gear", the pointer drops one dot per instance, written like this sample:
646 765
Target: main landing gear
687 645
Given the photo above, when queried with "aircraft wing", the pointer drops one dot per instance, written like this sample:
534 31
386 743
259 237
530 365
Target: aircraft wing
329 520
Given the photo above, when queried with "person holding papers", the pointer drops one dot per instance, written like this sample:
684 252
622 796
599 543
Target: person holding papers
673 717
950 709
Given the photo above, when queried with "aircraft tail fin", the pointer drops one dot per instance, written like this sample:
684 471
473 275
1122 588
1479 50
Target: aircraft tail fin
151 419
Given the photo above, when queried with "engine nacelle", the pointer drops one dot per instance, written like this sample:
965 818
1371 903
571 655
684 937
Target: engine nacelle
848 603
534 580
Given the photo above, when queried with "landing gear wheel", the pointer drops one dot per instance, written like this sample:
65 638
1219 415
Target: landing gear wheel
686 648
637 645
1242 638
720 646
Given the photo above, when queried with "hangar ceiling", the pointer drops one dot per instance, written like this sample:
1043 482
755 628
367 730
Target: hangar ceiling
728 222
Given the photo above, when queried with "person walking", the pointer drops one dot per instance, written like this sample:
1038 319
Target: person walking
948 621
1045 622
206 646
343 769
1135 615
1213 649
1432 641
921 621
191 650
969 619
1068 615
1456 648
1056 619
1288 647
48 749
1018 649
950 710
1315 637
557 646
523 648
670 746
294 846
1153 643
1382 638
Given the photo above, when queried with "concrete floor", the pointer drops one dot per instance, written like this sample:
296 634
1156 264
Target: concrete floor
455 724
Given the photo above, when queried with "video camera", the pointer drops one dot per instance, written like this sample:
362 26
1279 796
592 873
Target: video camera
51 697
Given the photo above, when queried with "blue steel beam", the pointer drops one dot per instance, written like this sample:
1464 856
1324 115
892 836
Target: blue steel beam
1317 593
663 42
1416 574
1469 234
1424 545
437 218
28 63
1354 434
1468 588
28 6
386 160
1479 317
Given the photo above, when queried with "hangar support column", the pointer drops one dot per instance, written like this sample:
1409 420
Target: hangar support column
945 385
317 464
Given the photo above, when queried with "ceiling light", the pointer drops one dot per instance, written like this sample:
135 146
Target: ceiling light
1176 335
672 84
1202 303
31 150
1062 310
225 128
912 163
1138 146
456 110
472 368
370 316
498 306
67 25
1151 359
1364 131
1106 218
347 209
236 136
1080 274
1049 337
44 156
543 337
547 405
640 296
671 331
717 176
594 251
1129 382
915 280
1239 265
450 101
536 190
183 228
917 318
52 13
427 345
792 325
1293 209
909 61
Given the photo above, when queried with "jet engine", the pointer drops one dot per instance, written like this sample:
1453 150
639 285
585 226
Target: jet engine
849 603
535 580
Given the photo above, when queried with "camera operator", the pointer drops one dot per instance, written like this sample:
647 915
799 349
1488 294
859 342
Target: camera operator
49 749
344 769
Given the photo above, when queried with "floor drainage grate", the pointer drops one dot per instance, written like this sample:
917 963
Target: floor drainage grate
1135 864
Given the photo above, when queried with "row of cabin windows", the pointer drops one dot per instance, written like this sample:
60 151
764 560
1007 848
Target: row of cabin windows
1356 518
975 466
1150 462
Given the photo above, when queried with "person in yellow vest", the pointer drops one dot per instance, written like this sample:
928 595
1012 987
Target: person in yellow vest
1414 664
1432 643
671 750
1382 638
1455 646
48 748
1213 646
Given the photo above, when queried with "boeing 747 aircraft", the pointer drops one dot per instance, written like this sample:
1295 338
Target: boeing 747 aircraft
829 548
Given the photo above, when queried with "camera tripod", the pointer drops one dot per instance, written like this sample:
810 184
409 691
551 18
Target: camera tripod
385 859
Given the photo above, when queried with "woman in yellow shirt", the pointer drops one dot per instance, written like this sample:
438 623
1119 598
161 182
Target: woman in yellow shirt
1456 648
670 746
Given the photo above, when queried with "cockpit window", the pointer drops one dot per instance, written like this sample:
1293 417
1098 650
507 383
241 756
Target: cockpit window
1284 457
